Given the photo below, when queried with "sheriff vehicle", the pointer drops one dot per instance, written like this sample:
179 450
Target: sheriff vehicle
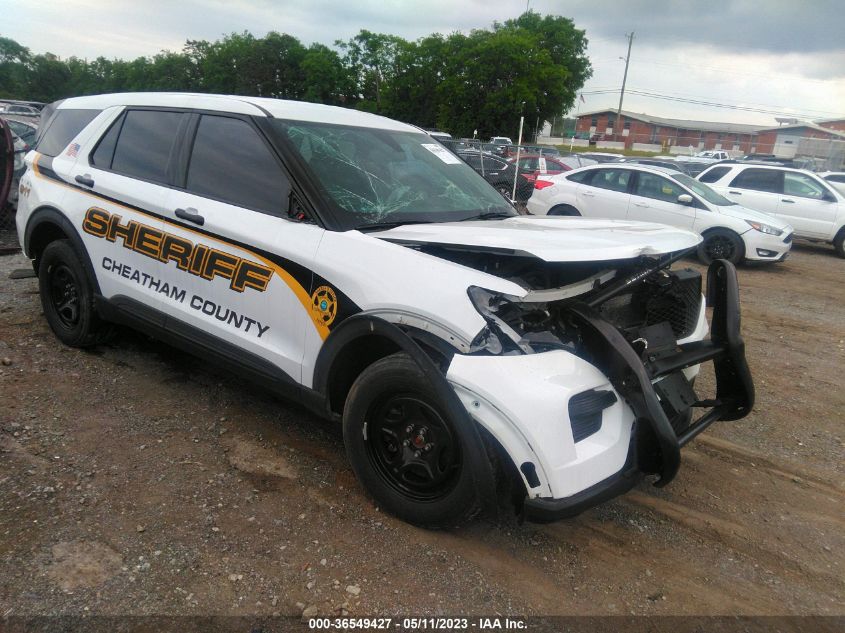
352 263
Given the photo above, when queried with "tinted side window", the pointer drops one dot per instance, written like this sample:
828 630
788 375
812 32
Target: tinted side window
66 124
657 187
230 162
582 176
102 156
613 179
143 149
769 180
714 174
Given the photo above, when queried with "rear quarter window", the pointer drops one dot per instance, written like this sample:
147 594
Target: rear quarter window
714 174
63 128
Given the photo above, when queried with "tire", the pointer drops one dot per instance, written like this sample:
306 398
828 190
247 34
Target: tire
67 296
721 244
564 209
404 449
839 243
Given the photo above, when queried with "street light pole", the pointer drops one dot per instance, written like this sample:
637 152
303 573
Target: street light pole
624 80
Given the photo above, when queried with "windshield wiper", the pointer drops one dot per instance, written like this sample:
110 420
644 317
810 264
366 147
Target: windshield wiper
492 215
383 226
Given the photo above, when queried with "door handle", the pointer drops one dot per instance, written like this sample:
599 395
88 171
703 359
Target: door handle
191 215
787 200
735 193
587 194
85 180
640 204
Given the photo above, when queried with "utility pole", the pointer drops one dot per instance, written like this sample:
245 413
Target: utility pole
624 79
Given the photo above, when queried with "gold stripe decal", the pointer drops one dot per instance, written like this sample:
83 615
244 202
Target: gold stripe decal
193 258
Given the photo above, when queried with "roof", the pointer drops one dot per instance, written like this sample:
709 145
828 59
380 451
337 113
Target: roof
683 124
805 125
255 106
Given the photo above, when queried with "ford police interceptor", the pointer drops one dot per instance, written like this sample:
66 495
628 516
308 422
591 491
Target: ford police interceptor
352 263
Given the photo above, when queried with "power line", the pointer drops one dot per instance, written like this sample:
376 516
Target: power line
713 104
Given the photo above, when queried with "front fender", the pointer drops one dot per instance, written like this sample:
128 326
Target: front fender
364 326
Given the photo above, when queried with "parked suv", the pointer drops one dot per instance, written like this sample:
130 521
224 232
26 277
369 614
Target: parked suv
808 202
631 191
352 263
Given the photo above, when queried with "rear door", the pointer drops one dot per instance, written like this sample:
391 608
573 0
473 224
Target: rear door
121 189
756 188
654 198
607 194
807 205
253 289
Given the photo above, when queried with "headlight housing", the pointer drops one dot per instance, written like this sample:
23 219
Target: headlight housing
516 327
764 228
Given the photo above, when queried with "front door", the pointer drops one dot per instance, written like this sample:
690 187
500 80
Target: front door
253 289
655 199
807 205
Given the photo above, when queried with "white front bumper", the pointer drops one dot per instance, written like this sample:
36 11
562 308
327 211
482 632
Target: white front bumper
523 401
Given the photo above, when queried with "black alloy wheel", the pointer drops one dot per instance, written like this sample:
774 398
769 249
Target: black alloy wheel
64 295
413 448
67 297
721 244
413 459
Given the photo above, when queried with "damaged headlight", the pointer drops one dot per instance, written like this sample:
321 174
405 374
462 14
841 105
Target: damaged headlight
514 327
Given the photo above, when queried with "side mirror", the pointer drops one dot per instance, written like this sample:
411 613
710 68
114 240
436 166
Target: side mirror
685 198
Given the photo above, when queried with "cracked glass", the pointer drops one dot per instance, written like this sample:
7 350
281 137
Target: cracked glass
375 176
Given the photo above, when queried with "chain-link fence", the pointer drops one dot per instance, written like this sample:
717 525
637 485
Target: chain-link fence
826 154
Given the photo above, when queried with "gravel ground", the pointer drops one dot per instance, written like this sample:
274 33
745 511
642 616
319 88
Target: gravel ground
134 479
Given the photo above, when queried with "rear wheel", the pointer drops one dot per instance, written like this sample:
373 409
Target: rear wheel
67 296
721 244
564 209
404 449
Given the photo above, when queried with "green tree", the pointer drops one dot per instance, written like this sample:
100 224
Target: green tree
371 59
13 61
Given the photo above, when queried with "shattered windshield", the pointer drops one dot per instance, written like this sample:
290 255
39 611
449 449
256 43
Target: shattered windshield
376 176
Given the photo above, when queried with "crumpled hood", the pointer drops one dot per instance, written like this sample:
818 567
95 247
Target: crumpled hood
552 239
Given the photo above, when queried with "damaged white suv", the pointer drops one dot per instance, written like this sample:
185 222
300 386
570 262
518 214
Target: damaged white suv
350 262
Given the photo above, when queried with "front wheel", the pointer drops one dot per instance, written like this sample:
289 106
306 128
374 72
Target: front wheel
721 244
404 449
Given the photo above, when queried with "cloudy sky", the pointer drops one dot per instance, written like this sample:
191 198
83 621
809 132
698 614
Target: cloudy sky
760 58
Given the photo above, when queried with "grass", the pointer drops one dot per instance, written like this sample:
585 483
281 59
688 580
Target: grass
627 152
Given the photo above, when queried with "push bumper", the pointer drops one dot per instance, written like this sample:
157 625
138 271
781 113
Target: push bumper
655 445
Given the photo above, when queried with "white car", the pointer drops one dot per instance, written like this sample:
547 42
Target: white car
352 263
631 191
807 201
836 178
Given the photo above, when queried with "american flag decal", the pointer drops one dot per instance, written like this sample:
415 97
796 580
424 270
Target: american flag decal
73 150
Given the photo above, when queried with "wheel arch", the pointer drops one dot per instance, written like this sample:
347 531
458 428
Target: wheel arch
47 224
563 206
726 229
363 339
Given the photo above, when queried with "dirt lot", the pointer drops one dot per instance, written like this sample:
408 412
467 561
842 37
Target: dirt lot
136 480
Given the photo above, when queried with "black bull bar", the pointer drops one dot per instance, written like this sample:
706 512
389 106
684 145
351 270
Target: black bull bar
658 445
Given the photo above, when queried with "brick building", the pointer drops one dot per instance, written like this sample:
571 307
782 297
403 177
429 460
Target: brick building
833 124
652 130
